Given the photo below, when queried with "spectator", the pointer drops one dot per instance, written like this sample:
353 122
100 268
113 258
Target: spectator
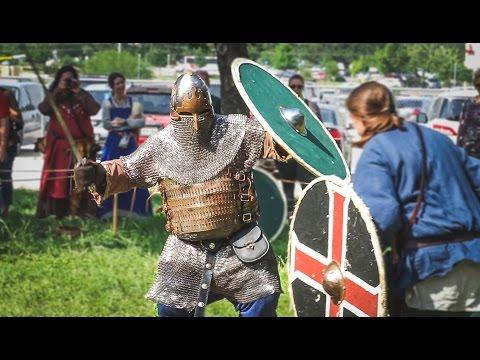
14 124
120 119
4 113
469 129
76 106
297 84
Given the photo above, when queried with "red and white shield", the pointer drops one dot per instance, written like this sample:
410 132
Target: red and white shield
335 262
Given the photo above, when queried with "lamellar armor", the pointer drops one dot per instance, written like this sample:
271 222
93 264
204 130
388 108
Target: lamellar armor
201 163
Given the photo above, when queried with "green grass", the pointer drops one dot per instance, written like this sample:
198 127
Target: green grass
46 273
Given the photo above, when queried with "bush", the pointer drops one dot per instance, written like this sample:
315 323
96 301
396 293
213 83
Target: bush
105 62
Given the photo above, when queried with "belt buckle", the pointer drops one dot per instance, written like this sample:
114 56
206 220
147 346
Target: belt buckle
240 177
245 197
247 218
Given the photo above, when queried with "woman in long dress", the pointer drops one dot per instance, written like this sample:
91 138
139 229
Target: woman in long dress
57 196
122 117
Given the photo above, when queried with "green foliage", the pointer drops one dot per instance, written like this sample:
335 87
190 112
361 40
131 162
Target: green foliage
331 68
266 56
256 50
157 56
362 64
419 58
105 62
284 57
439 59
393 58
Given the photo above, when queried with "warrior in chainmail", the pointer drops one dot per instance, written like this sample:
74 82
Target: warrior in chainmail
201 163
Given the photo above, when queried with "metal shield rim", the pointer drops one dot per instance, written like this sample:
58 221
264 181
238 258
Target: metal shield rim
278 184
365 214
235 68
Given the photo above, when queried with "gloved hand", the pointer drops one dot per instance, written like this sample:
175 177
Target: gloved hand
89 172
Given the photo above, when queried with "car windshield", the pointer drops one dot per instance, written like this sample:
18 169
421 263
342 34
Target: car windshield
346 91
100 95
409 103
154 103
328 116
452 109
86 82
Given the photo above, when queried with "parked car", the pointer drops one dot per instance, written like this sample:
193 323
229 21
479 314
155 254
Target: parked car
325 96
445 112
100 92
86 81
433 83
408 107
391 82
28 95
335 124
156 107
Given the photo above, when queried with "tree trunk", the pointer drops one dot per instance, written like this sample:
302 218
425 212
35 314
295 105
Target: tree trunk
231 101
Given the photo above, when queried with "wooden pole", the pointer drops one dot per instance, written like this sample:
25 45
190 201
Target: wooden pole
115 214
132 202
59 117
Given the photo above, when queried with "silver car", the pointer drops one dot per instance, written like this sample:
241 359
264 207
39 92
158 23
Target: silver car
28 95
335 124
409 107
100 92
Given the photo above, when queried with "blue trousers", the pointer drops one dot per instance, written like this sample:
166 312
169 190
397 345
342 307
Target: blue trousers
263 307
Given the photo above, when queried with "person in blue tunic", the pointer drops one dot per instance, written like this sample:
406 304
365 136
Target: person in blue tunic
122 117
423 194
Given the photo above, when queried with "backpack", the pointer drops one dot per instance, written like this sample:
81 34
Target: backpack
469 129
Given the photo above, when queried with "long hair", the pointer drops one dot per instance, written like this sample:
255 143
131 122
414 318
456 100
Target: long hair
374 104
114 76
59 73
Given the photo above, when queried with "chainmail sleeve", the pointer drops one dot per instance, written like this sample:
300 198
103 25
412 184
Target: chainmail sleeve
252 144
141 166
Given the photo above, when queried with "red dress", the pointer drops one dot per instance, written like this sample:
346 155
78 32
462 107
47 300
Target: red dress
55 187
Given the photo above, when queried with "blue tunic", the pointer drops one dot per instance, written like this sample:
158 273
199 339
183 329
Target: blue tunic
388 180
112 151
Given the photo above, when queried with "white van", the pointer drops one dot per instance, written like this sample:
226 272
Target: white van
28 95
100 92
446 109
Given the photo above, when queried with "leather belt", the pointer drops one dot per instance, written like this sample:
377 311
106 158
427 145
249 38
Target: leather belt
207 276
456 237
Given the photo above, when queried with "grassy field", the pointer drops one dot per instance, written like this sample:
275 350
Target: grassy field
45 272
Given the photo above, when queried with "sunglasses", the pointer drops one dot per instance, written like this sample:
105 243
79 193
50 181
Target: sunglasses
296 87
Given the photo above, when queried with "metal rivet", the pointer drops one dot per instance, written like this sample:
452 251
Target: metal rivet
204 286
208 266
211 246
201 304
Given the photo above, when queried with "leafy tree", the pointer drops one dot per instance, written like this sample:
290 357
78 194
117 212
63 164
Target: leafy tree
284 57
362 64
105 62
439 59
331 68
393 58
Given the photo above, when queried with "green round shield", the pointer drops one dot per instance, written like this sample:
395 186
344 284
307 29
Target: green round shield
272 203
289 120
